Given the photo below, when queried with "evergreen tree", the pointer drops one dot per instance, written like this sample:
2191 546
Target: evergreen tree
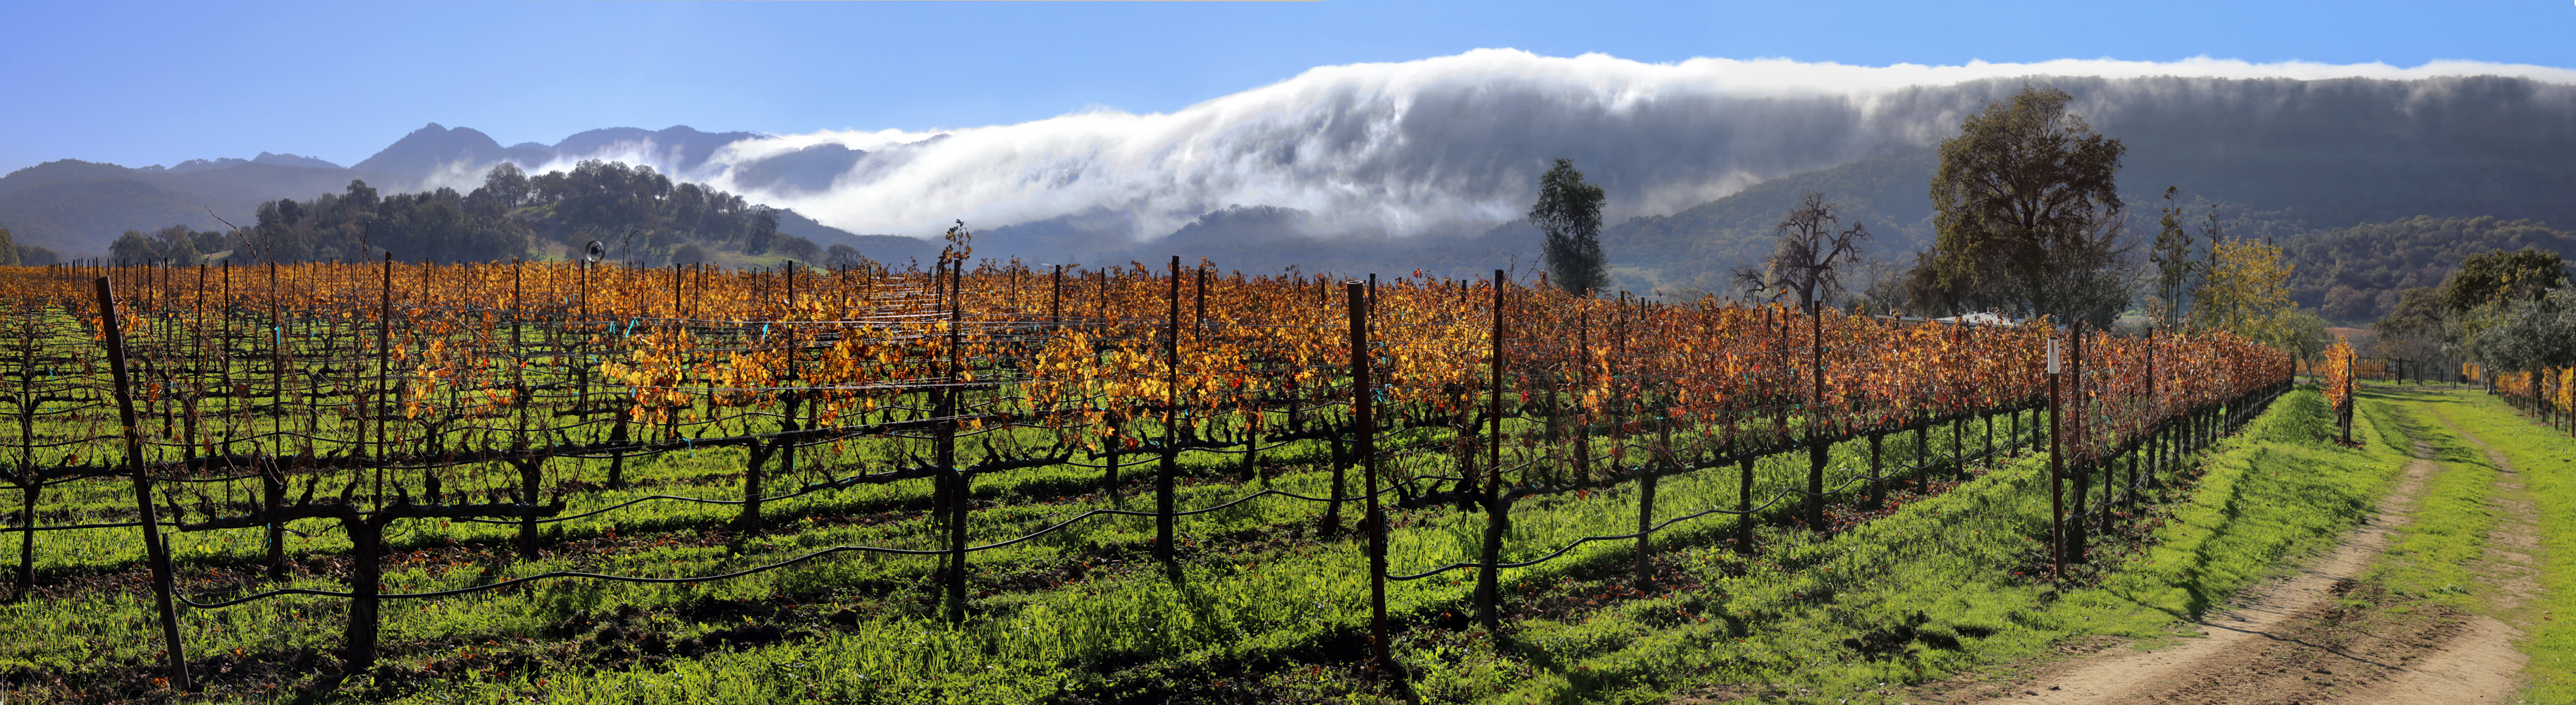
1569 212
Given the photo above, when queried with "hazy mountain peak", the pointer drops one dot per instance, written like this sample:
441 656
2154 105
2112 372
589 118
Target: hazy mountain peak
807 170
194 165
292 160
61 171
427 149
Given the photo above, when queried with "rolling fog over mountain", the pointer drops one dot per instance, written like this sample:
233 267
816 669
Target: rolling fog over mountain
1454 144
1426 163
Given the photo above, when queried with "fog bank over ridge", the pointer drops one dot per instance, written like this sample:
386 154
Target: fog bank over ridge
1403 148
1417 163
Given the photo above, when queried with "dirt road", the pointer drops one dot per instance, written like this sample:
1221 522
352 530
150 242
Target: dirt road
2319 637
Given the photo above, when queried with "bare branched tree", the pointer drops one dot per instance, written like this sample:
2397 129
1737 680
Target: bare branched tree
1813 252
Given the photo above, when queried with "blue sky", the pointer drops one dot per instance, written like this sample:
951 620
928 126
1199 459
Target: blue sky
141 84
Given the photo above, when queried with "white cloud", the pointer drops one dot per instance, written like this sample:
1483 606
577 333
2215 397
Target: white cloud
1405 147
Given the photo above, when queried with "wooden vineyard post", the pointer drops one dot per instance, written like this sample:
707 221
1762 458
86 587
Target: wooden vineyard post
1744 504
366 573
1497 510
154 552
1662 459
2110 469
193 398
374 408
1055 300
2056 471
2081 480
796 393
747 521
2130 498
2343 417
1877 481
277 349
1583 418
1365 446
1959 451
1171 420
1816 444
2152 449
1922 450
959 496
30 482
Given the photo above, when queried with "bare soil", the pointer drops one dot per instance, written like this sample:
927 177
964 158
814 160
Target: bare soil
2318 636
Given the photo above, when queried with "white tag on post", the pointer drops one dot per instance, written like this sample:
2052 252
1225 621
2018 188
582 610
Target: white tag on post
2052 356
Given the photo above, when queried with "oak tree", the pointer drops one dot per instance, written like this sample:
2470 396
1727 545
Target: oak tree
2028 217
1812 253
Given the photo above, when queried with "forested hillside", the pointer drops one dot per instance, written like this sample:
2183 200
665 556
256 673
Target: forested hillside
641 215
2354 275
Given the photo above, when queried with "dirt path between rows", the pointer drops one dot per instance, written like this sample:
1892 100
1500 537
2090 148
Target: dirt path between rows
2318 636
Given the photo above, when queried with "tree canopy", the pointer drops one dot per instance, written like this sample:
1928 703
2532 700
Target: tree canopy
2419 314
2177 267
2503 277
2246 292
1568 211
2532 335
640 214
1813 250
2027 214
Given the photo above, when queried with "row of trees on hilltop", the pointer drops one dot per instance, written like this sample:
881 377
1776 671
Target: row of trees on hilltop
607 200
640 214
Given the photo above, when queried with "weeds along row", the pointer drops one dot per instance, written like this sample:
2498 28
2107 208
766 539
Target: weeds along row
514 399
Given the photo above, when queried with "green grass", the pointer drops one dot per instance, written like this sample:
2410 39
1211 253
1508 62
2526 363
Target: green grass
1776 633
2435 555
2547 464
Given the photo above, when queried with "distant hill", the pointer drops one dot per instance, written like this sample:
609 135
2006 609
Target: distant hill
73 206
2353 275
426 149
229 162
805 170
883 248
66 205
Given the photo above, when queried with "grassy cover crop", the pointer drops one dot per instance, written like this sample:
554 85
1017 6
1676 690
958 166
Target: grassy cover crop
1915 596
2547 464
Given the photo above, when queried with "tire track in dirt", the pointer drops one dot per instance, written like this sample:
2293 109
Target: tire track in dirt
2480 665
2299 640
